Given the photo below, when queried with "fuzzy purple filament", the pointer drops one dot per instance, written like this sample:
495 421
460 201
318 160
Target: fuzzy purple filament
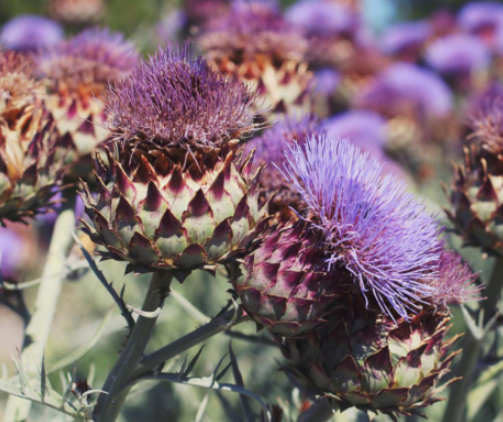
372 227
175 98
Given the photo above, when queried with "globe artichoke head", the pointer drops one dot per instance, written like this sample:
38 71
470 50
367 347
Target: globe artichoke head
29 175
365 359
76 72
174 196
255 44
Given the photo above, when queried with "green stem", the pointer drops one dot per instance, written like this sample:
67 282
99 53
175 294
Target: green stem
39 327
456 406
321 411
215 326
109 405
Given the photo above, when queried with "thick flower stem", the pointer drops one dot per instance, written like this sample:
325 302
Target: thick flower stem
321 411
39 327
110 403
212 328
456 407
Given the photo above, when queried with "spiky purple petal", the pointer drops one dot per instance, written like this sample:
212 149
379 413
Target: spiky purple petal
372 227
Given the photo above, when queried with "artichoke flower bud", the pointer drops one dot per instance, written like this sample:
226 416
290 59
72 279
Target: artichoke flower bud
476 193
172 195
77 72
364 359
255 44
29 174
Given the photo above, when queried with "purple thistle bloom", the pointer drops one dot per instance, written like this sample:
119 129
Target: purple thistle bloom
252 29
372 227
456 281
402 86
93 56
30 33
175 99
458 54
481 16
327 80
405 36
322 18
171 25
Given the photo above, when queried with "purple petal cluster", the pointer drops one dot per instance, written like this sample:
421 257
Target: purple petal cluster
458 54
403 86
322 17
175 99
456 283
95 56
372 227
405 36
480 16
327 80
250 30
487 123
30 33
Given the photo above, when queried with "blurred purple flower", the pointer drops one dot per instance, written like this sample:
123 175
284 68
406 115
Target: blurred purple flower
30 33
405 85
481 16
372 227
404 37
12 249
171 25
322 17
458 54
327 80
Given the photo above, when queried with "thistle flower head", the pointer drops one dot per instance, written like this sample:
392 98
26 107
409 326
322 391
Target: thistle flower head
17 80
175 99
322 18
30 33
372 228
458 54
327 80
405 36
93 57
403 87
455 283
250 31
481 16
487 125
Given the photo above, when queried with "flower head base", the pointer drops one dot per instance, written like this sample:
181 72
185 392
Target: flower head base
174 99
30 33
89 60
374 229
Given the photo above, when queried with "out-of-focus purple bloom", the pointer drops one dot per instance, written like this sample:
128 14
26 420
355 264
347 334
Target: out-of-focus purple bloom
171 25
176 99
30 33
481 16
327 80
372 227
322 17
455 283
12 249
404 37
93 56
458 54
365 129
402 86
